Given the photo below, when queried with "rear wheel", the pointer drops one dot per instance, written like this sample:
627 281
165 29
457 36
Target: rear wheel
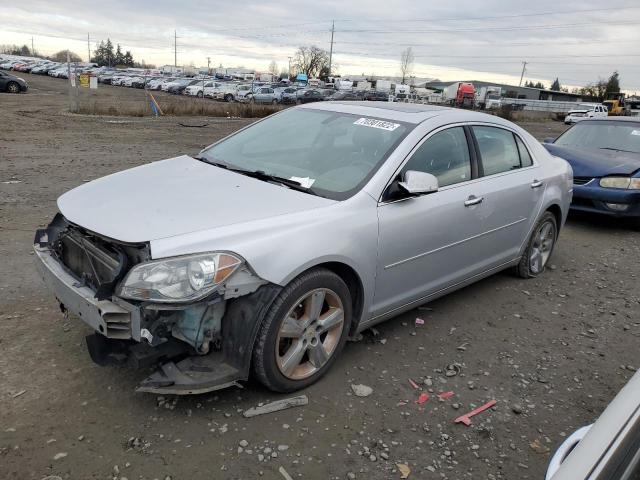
298 102
303 332
228 97
274 101
200 95
539 248
13 87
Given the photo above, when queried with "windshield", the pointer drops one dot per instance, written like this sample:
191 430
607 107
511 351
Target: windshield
332 153
607 135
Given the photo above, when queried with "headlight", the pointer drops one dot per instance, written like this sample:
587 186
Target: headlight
620 182
179 279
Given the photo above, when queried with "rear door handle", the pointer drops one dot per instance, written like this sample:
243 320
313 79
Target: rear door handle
536 184
473 200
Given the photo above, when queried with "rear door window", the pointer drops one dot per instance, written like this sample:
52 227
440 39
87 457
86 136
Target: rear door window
498 150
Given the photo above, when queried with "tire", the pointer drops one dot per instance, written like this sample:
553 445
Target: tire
13 87
277 361
274 101
298 102
200 94
228 97
537 254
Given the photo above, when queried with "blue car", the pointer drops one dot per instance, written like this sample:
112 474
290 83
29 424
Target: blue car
605 157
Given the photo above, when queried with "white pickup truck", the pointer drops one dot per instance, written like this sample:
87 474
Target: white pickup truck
589 111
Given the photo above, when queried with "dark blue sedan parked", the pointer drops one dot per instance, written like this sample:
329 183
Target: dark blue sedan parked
605 157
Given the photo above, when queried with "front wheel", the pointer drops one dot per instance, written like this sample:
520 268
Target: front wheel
539 248
303 332
274 101
13 87
200 95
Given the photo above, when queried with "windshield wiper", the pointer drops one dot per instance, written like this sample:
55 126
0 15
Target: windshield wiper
617 149
260 175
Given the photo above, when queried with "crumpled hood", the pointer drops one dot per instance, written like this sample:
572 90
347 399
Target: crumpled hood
174 197
596 163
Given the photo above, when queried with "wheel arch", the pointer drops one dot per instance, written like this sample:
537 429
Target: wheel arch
557 213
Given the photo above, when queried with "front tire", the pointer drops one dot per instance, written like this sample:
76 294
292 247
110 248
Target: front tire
13 87
303 332
540 247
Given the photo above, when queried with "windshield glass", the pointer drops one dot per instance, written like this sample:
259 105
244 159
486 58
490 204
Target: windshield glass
332 153
621 136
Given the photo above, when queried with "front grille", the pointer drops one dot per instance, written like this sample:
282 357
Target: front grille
96 263
581 180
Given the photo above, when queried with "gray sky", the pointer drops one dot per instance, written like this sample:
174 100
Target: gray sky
577 41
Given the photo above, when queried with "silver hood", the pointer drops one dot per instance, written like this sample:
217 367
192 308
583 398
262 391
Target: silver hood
174 197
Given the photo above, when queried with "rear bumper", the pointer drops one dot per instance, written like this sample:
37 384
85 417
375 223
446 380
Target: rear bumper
119 321
593 198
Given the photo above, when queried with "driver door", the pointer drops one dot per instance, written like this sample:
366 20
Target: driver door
426 243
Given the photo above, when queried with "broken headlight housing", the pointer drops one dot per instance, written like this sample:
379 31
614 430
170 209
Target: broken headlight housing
179 279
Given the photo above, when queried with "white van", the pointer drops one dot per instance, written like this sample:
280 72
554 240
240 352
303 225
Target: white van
593 111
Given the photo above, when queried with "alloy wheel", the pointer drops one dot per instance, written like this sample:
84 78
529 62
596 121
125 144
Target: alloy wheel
542 246
13 88
309 334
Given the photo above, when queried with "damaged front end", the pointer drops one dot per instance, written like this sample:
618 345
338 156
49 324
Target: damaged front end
197 315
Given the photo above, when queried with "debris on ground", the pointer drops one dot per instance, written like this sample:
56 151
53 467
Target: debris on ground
276 406
445 395
419 321
361 390
452 369
414 384
466 418
404 470
538 447
284 473
21 392
422 398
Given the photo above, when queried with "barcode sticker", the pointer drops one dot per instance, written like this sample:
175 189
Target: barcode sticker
370 122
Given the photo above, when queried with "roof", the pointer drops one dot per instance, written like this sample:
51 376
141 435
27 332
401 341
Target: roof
397 111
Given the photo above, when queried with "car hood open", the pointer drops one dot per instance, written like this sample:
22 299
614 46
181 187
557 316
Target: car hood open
177 196
596 163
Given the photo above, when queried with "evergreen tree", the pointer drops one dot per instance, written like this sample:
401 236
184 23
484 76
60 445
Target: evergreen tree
119 57
613 84
555 85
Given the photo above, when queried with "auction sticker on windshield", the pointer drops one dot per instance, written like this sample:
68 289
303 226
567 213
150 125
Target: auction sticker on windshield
370 122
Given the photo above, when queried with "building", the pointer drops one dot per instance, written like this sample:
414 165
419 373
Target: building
512 91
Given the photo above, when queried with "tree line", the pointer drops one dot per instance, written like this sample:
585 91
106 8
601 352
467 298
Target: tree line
104 55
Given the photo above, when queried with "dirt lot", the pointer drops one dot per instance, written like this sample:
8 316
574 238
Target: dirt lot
552 351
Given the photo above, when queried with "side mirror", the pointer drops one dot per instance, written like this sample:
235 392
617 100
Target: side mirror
419 183
548 140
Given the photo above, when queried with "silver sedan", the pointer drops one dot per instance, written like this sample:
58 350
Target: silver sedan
272 246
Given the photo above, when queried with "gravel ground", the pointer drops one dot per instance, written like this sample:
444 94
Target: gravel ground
552 351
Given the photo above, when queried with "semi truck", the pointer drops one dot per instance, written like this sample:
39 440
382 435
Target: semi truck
489 98
460 94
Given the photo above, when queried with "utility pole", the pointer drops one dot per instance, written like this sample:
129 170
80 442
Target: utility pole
524 66
208 65
175 49
88 49
333 25
32 49
290 67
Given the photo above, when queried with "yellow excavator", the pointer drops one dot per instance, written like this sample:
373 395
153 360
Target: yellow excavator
615 104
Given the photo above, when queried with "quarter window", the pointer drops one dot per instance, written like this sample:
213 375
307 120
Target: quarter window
525 156
445 155
498 150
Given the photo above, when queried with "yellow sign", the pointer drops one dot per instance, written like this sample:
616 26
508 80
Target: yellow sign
84 80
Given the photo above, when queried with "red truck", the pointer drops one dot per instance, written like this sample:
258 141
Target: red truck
460 94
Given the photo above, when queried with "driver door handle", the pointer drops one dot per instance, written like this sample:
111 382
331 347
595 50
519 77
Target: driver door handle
473 200
536 184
